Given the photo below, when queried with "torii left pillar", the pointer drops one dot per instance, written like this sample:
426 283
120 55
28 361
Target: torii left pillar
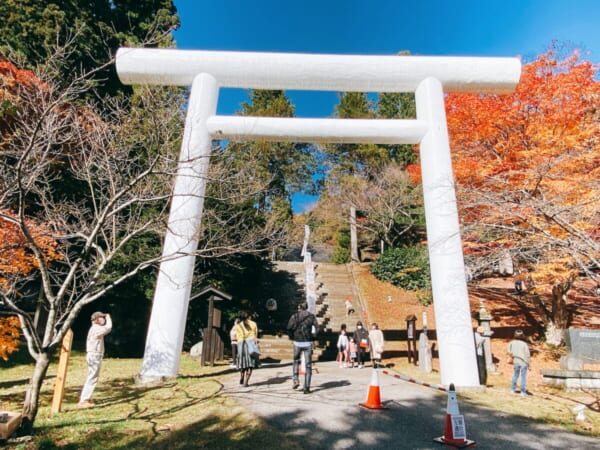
172 295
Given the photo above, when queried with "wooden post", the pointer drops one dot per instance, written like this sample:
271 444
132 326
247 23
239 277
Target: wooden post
411 339
207 340
61 373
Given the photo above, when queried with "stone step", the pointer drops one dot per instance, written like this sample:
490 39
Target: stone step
282 348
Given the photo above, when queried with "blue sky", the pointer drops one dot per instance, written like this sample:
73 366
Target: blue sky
424 27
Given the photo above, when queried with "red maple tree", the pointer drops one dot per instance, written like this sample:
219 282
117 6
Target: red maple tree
527 167
17 259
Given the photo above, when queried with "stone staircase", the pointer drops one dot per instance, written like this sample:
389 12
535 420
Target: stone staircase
334 284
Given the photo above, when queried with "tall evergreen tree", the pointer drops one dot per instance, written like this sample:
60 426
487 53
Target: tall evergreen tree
354 159
398 105
31 30
288 167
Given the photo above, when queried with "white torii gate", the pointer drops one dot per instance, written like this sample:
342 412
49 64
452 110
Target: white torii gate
427 77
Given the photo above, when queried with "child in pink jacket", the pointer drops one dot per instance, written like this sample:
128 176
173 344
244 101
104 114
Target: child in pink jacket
352 349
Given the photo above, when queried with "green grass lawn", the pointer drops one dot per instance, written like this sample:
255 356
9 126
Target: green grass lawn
187 412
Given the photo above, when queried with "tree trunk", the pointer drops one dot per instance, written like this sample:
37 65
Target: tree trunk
353 236
554 334
556 318
32 396
560 314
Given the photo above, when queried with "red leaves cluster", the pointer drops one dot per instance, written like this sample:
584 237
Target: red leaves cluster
13 80
16 256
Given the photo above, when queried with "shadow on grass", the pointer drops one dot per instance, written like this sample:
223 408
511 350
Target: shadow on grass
157 416
123 391
210 432
13 383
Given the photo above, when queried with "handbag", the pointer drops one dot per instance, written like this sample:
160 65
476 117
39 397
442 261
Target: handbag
253 349
364 343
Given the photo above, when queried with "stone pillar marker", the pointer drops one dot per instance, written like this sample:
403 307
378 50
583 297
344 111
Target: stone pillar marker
484 319
425 356
428 77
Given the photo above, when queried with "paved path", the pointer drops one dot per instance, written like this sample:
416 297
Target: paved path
330 418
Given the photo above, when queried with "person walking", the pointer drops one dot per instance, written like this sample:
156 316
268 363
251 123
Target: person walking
302 329
342 347
94 347
234 342
361 337
377 344
521 358
248 353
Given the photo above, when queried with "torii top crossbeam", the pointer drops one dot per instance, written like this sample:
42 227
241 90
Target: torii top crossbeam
322 72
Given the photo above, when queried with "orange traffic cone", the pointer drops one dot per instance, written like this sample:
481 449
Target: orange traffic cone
455 433
373 397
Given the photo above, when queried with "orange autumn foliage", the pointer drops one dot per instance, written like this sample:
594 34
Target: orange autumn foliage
16 257
14 77
530 160
549 127
552 111
13 81
9 336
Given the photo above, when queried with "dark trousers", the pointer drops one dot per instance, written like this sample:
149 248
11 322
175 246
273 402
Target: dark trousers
361 355
308 351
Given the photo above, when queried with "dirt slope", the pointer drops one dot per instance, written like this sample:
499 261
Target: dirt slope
509 311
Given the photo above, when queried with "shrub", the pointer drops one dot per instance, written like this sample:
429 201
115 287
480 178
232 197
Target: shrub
341 252
405 267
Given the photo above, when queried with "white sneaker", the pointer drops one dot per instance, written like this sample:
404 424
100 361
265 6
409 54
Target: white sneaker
360 366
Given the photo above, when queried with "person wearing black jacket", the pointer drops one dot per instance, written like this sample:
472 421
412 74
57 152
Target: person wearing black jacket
361 337
302 329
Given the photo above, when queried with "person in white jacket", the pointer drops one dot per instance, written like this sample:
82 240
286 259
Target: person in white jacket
377 343
101 326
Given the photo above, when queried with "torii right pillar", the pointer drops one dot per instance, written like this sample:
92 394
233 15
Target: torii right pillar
458 361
